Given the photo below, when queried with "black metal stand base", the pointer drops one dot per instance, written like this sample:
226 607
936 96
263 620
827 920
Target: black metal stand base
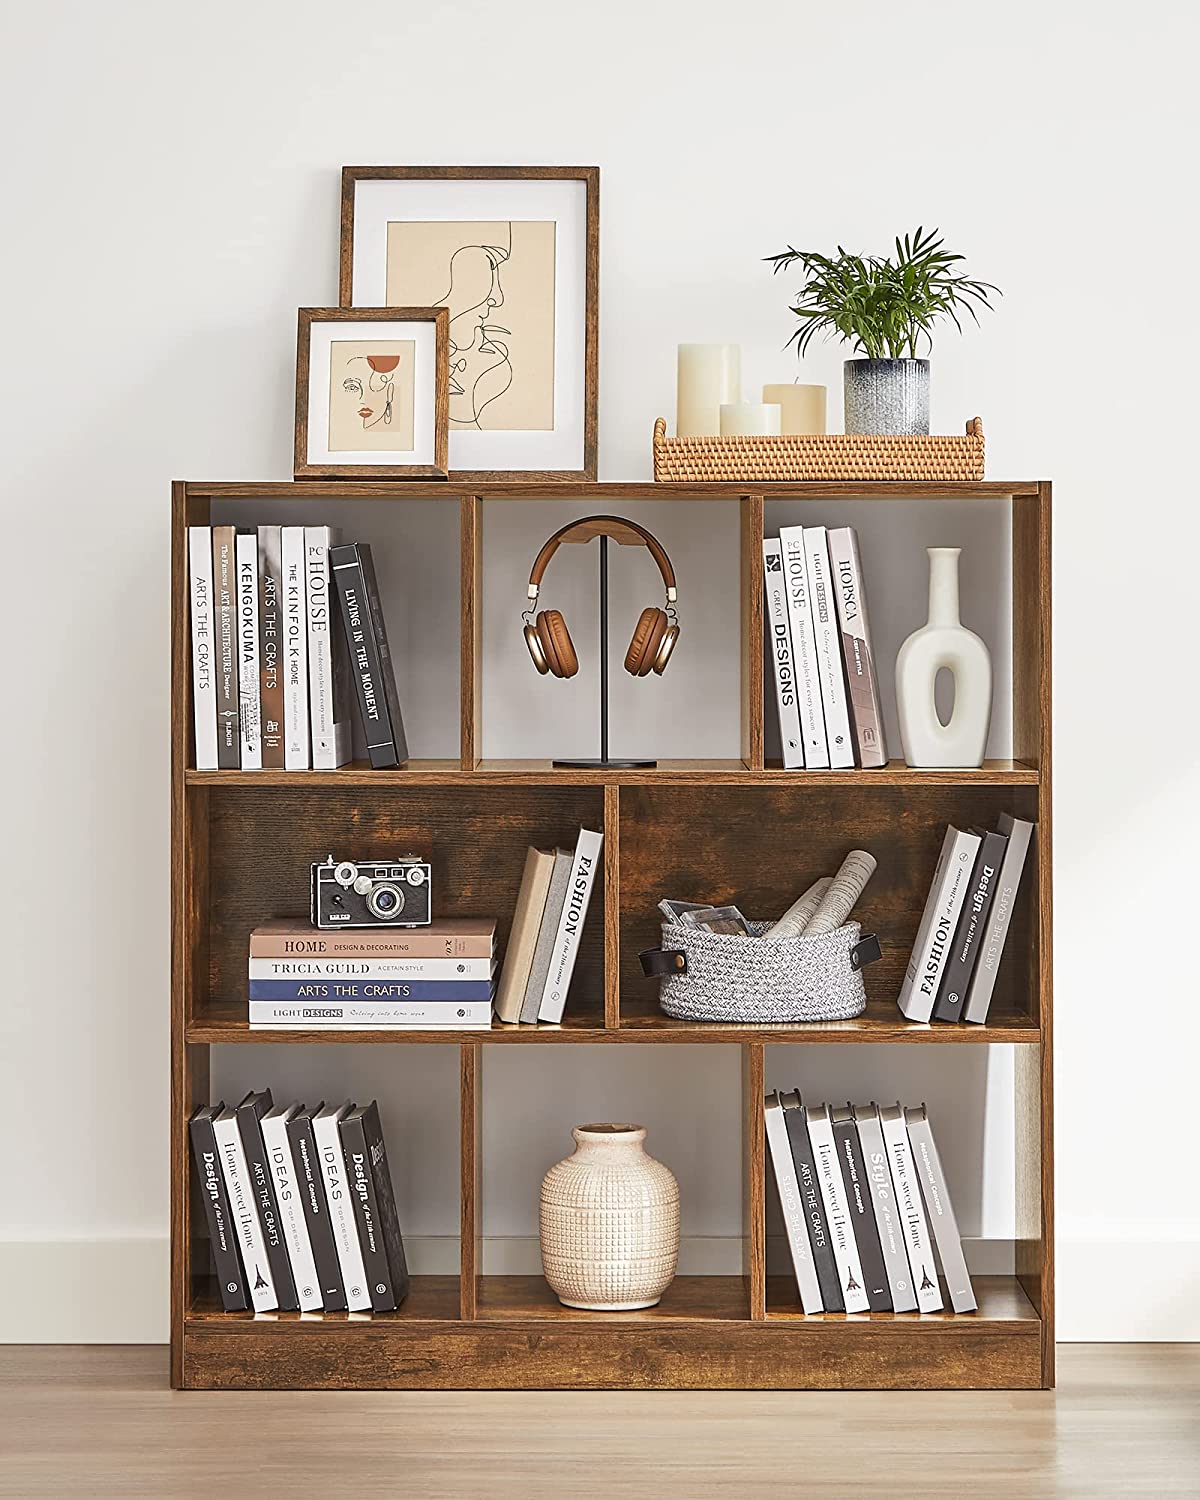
604 765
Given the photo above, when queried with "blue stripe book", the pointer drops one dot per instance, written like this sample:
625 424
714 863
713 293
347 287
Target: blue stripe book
371 989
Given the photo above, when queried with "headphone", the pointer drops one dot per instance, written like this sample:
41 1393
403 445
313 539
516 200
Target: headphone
656 631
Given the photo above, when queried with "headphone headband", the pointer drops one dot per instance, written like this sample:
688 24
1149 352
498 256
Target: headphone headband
613 526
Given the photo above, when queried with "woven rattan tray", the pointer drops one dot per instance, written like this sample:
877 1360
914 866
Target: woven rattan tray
836 455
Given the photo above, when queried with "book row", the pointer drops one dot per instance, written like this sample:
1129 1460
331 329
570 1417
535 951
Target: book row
287 629
300 1208
866 1208
826 686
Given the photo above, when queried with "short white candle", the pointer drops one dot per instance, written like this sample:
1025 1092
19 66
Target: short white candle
803 406
750 419
708 374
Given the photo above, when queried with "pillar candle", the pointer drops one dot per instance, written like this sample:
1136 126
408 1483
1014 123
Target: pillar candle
749 419
803 406
709 374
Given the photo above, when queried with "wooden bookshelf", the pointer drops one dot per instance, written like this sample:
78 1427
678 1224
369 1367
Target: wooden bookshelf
734 815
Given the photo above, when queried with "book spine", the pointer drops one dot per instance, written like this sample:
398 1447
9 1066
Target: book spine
837 1214
932 947
461 969
862 1215
296 755
204 686
291 1212
862 682
991 950
968 935
570 925
887 1214
316 1211
365 667
429 991
259 1281
263 1188
813 1204
779 634
804 648
539 966
356 1015
912 1211
249 704
940 1210
387 673
829 649
389 1219
215 1196
229 743
370 943
341 1213
366 1213
270 645
330 729
793 1210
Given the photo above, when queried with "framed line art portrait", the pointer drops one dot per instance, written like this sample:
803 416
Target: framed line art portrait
371 392
512 254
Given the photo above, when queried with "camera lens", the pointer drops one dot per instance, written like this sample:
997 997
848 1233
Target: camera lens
385 901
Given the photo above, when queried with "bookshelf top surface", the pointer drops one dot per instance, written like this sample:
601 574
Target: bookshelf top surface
400 489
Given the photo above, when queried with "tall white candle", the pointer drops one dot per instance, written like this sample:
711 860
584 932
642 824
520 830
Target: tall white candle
803 406
708 375
749 419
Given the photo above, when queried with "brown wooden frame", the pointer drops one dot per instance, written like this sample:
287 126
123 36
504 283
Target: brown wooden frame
508 1332
440 318
590 177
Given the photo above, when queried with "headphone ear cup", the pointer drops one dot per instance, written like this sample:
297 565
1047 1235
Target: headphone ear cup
557 644
647 637
663 654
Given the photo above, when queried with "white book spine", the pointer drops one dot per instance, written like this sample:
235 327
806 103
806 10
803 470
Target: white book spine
779 636
341 1210
291 1209
458 969
887 1213
259 1281
912 1211
793 1212
939 1210
204 691
295 652
931 951
804 648
837 1211
328 718
350 1015
827 637
991 950
249 701
570 925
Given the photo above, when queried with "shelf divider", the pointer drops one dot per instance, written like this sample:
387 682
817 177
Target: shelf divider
470 675
752 630
754 1183
470 1265
612 907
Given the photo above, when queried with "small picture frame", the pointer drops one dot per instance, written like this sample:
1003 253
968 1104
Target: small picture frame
372 393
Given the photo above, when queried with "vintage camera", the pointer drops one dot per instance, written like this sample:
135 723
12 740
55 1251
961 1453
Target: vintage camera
371 893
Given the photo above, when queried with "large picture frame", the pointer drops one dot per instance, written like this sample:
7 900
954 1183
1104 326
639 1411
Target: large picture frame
372 392
513 254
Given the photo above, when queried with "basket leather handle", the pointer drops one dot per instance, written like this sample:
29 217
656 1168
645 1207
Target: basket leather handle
659 963
865 951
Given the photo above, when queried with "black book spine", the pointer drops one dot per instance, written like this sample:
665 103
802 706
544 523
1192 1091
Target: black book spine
230 1276
389 1219
385 655
366 666
316 1210
814 1211
862 1213
366 1211
249 1112
972 924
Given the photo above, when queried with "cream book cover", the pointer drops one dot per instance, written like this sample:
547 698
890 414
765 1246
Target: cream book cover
522 939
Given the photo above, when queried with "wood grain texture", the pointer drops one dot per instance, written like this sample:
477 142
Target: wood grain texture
470 683
689 1299
470 1266
752 710
754 1182
612 890
537 487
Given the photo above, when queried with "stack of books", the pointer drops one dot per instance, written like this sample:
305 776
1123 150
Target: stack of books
826 685
952 971
301 1213
438 977
865 1202
287 630
548 923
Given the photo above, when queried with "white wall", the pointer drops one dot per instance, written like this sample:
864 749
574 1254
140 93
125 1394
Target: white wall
171 185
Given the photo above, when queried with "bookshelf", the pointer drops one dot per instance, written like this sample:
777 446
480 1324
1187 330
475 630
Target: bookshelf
476 1331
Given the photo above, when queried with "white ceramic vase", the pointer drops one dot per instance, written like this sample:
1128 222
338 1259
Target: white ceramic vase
943 641
609 1222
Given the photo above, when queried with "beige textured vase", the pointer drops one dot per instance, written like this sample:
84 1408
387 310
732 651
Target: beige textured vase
609 1222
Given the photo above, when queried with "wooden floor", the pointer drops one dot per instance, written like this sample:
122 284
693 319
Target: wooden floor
101 1422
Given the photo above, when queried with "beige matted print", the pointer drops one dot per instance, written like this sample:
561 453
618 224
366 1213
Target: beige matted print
371 395
497 279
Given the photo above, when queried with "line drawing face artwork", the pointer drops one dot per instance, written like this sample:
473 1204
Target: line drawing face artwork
497 280
371 385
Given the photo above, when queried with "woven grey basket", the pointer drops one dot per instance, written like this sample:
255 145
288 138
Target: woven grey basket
750 981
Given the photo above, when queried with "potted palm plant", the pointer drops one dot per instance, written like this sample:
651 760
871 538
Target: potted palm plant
885 307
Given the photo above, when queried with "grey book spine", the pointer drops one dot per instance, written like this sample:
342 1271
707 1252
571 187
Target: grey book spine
792 1206
887 1213
221 1236
866 715
940 1210
972 923
862 1215
543 952
991 949
270 644
812 1203
249 1115
229 735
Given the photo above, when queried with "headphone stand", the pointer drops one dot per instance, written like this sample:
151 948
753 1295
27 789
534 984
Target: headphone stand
604 763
